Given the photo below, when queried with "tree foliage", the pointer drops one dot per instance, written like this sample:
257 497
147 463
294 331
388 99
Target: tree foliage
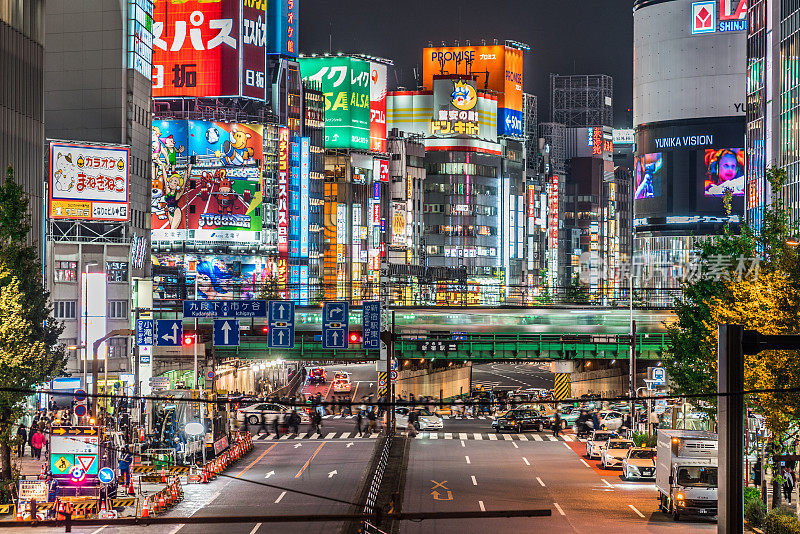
766 299
29 350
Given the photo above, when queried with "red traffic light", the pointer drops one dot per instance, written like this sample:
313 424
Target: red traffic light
265 329
355 337
188 339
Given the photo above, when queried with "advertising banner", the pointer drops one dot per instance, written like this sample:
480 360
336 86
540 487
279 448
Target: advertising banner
196 48
283 210
345 83
501 67
377 107
456 112
254 48
221 277
88 182
284 26
398 224
305 185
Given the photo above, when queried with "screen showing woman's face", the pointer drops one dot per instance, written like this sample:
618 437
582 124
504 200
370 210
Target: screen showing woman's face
727 168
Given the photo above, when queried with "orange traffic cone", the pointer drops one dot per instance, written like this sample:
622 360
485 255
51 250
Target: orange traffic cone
173 492
163 474
43 473
20 513
145 508
161 504
205 475
131 489
102 505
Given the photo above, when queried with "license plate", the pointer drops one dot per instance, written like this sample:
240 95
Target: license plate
703 511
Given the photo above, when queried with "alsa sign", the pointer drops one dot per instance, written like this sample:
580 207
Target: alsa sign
712 16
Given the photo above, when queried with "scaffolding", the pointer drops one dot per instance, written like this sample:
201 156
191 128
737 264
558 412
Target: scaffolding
582 100
531 128
555 135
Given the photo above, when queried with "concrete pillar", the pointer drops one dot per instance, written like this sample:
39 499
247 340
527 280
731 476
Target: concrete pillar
563 366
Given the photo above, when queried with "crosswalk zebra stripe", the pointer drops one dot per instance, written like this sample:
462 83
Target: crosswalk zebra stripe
507 437
478 436
523 437
462 435
493 437
537 437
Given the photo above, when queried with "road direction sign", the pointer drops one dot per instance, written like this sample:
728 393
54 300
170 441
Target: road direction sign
105 475
144 333
226 333
224 308
658 376
335 321
281 324
169 332
371 324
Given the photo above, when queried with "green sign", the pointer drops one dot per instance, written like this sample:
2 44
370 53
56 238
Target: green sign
345 83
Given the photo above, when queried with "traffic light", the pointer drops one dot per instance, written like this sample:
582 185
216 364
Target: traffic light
265 330
355 337
188 339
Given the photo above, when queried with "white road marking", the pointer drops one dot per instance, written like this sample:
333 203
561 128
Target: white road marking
492 437
280 497
584 463
560 511
483 508
552 438
567 437
514 443
567 446
329 436
541 483
448 435
632 507
526 461
462 443
99 529
467 457
474 482
462 435
255 528
607 483
478 436
523 437
507 437
176 529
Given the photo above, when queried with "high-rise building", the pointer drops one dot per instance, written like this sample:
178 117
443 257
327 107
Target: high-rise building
689 119
97 90
22 36
582 100
772 79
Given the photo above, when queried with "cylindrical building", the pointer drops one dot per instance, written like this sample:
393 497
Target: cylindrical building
689 117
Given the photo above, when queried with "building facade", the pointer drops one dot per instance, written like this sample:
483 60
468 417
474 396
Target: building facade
581 100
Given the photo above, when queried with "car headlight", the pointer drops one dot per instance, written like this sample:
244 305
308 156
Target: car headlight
633 469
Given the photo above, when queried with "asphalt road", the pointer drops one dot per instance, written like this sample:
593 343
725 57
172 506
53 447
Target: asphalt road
473 475
516 375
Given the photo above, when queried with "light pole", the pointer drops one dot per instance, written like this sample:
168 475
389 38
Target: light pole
85 287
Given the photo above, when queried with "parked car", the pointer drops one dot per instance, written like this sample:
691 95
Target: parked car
341 382
614 451
426 420
596 442
257 413
316 375
639 463
518 420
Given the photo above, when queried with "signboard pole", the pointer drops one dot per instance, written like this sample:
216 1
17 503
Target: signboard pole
389 358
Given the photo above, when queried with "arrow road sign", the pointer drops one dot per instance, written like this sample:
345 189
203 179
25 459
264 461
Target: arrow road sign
334 472
226 333
335 321
169 332
281 324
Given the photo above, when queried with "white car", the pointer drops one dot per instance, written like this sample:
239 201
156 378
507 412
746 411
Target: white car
595 444
427 420
615 450
341 382
257 413
640 463
610 419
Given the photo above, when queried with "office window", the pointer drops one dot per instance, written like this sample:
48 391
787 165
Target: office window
64 309
66 271
118 309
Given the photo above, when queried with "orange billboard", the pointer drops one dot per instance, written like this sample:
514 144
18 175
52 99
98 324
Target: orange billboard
498 68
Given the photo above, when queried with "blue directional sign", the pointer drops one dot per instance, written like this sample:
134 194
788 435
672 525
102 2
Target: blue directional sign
224 308
281 325
226 333
169 332
659 376
371 324
105 475
144 333
335 319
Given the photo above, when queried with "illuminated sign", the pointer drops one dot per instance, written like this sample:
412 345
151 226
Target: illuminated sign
377 107
304 195
712 16
88 182
703 15
93 314
622 137
254 46
284 26
345 83
140 37
684 141
455 109
502 68
283 209
552 204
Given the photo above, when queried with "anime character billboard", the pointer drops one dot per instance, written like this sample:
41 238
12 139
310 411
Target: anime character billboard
228 144
724 169
647 174
222 277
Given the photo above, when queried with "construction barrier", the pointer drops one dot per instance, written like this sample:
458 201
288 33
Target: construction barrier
6 509
170 470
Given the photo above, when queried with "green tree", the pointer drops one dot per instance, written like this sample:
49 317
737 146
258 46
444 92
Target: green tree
29 351
269 289
577 293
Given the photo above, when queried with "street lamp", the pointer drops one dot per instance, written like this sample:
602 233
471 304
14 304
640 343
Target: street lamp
85 287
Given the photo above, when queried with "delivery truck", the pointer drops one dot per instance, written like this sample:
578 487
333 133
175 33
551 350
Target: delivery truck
686 473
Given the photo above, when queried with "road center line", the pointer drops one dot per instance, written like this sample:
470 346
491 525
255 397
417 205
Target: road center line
607 483
280 497
255 528
99 529
514 443
256 460
640 514
541 483
560 511
584 463
483 508
309 460
467 457
474 482
462 443
526 461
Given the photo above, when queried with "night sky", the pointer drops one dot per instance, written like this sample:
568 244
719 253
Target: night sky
565 36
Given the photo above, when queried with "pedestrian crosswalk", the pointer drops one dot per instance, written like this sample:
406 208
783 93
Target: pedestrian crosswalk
473 436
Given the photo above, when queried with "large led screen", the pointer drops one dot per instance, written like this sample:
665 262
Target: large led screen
647 175
724 170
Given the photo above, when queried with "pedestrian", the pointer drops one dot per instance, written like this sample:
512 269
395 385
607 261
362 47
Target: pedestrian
413 418
37 442
788 484
52 487
294 422
556 423
653 423
125 461
757 473
22 439
276 425
372 418
316 423
359 419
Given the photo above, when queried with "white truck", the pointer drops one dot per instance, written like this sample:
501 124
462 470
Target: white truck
686 473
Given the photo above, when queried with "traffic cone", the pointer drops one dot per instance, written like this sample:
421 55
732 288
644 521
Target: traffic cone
163 474
43 473
131 489
145 508
173 492
205 475
102 505
20 512
161 504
